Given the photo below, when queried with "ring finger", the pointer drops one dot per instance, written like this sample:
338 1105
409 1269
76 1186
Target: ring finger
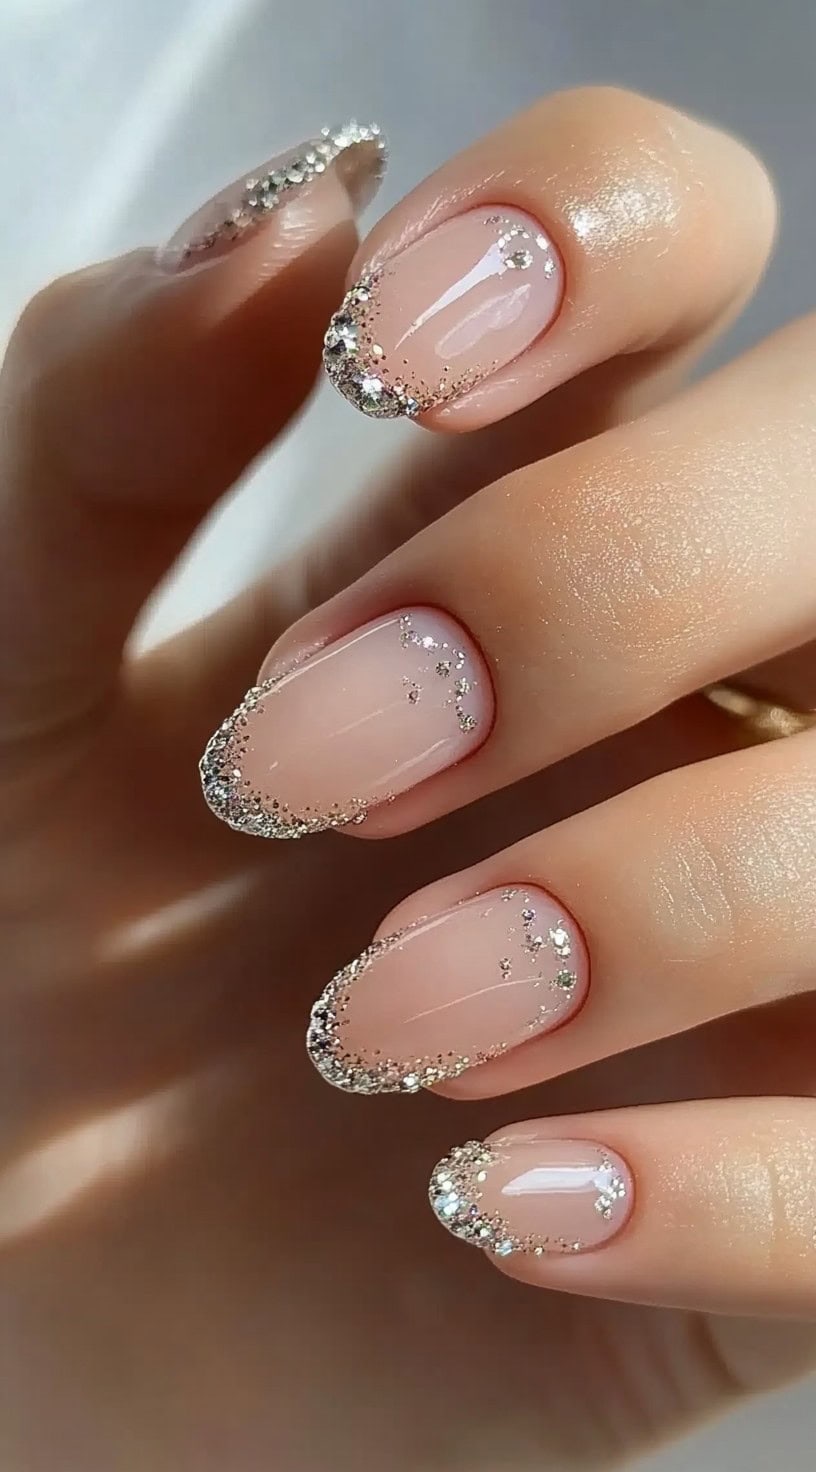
514 581
554 953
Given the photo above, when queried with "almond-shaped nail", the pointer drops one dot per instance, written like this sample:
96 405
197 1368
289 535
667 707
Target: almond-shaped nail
351 727
440 316
532 1196
355 154
449 993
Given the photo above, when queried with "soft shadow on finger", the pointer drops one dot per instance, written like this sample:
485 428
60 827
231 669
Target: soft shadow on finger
190 939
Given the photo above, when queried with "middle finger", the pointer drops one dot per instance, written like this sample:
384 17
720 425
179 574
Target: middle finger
580 595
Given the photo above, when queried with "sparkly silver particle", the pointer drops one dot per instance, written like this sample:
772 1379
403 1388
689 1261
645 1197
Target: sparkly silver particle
451 661
455 1194
354 359
557 940
349 1070
613 1191
268 191
233 800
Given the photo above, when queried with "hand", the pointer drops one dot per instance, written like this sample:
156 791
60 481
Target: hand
210 1260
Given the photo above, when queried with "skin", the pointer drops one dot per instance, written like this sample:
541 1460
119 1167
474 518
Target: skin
204 1253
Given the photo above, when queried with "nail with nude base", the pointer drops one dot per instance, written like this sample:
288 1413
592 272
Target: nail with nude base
432 322
450 992
354 154
350 727
532 1196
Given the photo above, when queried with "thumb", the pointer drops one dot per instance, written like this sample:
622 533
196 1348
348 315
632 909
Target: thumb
132 396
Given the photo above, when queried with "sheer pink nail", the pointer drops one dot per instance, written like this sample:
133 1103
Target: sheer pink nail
449 993
354 155
357 723
533 1196
443 314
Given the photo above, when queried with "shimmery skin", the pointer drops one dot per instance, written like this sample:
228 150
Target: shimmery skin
349 1071
262 195
455 1192
354 359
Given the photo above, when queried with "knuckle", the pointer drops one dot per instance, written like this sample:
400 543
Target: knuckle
730 870
692 899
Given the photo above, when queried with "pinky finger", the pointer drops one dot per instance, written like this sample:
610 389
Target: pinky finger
707 1205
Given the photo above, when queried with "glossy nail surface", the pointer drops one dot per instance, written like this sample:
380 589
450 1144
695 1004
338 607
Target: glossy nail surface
532 1196
354 725
354 154
449 993
443 314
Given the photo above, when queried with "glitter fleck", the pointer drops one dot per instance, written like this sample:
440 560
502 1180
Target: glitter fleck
232 799
452 659
261 195
458 1206
348 1070
403 393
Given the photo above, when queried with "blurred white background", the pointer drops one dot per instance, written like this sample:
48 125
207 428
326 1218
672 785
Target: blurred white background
122 115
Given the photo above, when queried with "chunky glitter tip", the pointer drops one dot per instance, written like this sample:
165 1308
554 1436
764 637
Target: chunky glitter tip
532 1197
430 324
233 798
448 993
350 727
356 151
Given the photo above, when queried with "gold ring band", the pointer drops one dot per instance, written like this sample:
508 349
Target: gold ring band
762 720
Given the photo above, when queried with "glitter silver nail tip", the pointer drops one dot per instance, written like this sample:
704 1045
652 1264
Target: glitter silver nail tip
229 796
261 194
356 363
351 358
347 1069
456 1194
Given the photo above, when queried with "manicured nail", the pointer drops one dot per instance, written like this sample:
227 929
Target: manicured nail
450 992
532 1196
444 313
355 153
351 727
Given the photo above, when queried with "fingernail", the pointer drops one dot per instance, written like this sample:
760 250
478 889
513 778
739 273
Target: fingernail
353 726
533 1196
355 154
450 992
443 314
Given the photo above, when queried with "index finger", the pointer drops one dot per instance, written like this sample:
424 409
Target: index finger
598 223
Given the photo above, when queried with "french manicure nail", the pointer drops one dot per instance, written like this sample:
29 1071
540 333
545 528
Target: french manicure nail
532 1196
355 154
353 726
449 993
437 318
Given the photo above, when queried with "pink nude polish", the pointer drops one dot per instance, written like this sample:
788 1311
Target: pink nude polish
353 155
534 1196
440 316
450 992
354 725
